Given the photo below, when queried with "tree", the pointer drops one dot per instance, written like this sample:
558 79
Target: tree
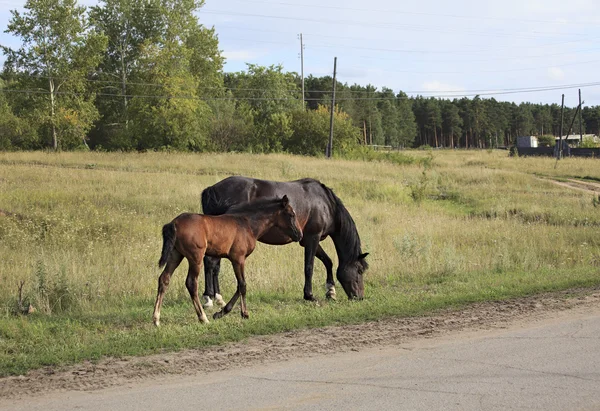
58 53
15 132
128 25
272 95
407 127
451 122
389 117
311 132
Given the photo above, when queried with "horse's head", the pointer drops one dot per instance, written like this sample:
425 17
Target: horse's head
287 220
350 277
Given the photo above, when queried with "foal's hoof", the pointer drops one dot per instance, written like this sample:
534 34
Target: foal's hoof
217 315
219 300
245 315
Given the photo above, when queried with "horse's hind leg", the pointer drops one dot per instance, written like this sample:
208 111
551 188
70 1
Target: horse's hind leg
192 285
212 266
329 284
163 283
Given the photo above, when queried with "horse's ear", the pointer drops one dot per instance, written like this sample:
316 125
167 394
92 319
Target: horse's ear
285 201
362 256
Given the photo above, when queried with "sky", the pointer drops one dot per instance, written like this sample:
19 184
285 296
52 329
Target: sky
501 49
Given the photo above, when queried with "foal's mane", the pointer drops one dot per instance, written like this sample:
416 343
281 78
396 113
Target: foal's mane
261 205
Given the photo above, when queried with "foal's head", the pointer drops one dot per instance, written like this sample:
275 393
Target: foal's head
287 221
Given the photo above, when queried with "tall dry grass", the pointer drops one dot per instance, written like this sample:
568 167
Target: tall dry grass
85 233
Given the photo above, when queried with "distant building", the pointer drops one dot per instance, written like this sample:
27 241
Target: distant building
527 141
574 139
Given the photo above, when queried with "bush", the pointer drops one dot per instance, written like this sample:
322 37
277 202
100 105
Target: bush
311 132
546 140
589 142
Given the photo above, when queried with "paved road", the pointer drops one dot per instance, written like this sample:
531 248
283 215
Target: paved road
546 365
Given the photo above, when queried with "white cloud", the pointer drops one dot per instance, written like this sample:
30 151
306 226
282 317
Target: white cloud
239 55
438 86
556 73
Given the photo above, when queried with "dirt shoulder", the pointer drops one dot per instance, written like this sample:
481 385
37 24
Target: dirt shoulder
587 186
297 344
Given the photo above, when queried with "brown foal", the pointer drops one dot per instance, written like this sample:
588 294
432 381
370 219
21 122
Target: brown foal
232 236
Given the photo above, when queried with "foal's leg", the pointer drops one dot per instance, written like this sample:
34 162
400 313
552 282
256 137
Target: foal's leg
329 284
191 283
163 283
238 268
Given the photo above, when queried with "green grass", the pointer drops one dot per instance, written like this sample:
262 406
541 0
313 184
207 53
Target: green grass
443 228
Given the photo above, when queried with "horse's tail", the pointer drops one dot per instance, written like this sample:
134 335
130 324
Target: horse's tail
169 232
212 203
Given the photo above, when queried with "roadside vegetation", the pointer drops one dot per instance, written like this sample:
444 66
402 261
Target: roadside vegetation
80 239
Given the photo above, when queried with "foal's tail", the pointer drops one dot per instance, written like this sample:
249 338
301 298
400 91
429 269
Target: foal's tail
169 235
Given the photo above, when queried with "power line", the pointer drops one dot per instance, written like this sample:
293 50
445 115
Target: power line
388 11
191 97
455 51
264 90
387 25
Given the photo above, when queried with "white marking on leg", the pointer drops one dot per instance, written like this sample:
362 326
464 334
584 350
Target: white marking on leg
219 300
207 301
330 291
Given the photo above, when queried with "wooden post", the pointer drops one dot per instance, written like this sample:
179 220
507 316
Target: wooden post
562 113
329 152
580 119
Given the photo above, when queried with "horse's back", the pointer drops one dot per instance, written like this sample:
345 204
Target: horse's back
310 199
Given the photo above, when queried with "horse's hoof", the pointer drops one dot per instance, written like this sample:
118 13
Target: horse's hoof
217 315
330 294
219 300
204 320
207 301
310 298
245 316
156 323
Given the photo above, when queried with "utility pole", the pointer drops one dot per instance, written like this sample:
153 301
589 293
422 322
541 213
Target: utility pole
580 120
329 152
562 112
302 70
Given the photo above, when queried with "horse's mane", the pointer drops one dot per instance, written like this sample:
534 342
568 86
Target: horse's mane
212 203
349 247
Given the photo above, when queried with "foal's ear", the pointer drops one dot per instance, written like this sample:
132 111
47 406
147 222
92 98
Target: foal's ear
285 201
363 256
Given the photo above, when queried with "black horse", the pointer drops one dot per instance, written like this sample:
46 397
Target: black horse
320 214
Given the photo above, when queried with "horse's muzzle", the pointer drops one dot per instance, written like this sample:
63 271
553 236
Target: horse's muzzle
296 235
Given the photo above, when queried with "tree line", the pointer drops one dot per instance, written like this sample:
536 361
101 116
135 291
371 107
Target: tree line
147 75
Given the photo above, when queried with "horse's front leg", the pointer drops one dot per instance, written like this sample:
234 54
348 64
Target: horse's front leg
310 249
192 285
329 284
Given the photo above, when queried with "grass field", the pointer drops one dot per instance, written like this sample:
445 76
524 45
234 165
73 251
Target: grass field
443 228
